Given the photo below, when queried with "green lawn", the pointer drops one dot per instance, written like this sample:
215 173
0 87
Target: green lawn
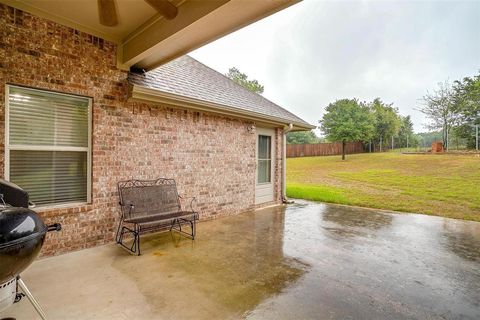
443 185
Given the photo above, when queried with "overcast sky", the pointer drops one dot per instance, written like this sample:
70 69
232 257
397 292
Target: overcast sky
315 52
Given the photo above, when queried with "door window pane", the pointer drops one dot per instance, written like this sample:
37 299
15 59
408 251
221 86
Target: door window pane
264 147
264 167
264 171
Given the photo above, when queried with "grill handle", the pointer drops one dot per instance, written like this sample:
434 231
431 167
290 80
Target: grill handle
54 227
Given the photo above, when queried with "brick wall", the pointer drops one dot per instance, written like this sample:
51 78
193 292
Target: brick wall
211 156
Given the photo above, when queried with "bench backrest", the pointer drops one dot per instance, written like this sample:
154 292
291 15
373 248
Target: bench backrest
148 197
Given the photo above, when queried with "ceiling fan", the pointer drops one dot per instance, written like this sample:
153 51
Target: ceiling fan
108 13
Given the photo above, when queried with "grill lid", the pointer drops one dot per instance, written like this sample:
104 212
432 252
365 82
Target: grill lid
19 225
22 234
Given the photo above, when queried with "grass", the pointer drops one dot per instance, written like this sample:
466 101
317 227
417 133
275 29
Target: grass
442 185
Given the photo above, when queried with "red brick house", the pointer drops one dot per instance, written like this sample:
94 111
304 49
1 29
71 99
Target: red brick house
75 120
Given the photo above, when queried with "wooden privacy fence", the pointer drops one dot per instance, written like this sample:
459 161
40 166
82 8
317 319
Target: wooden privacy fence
322 149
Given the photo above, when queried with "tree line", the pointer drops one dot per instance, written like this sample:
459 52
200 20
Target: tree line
375 123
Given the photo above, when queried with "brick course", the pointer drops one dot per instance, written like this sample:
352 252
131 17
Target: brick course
211 156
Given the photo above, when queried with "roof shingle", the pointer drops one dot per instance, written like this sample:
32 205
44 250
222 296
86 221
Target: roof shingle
189 78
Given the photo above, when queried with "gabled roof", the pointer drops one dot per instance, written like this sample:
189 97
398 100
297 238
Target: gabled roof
188 79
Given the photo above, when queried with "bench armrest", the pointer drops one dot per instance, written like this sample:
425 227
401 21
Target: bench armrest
131 209
193 201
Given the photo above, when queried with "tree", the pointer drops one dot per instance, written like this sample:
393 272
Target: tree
302 137
386 121
466 104
406 138
242 79
347 120
438 108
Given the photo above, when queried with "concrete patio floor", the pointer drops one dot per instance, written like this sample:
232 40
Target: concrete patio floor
304 261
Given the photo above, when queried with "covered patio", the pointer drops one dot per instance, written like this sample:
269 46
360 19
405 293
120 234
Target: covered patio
302 261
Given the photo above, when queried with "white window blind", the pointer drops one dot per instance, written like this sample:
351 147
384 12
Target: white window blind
48 145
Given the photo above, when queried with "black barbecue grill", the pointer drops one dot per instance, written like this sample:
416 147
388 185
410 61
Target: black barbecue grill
22 233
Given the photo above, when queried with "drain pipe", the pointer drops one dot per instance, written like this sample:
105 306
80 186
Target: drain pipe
284 164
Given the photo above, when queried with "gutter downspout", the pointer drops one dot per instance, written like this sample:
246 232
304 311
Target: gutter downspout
284 164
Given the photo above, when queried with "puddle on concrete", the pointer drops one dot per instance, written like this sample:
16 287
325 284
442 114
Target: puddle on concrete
460 238
377 265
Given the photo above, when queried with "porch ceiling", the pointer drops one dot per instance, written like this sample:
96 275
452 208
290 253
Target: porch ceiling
145 38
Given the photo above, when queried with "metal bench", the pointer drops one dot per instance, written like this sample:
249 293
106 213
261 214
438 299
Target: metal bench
149 205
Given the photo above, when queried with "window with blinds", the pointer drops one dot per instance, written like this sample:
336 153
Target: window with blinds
48 147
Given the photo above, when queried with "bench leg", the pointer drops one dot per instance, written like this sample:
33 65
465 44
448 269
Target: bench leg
192 225
173 224
117 236
179 229
137 239
135 247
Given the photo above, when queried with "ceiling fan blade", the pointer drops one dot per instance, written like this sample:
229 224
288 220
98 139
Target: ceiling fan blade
107 12
164 7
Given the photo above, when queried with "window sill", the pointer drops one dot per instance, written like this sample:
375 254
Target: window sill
75 207
263 183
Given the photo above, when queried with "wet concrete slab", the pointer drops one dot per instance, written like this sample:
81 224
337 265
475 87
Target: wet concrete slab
302 261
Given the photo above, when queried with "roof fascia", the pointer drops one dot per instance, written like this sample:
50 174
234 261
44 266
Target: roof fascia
138 93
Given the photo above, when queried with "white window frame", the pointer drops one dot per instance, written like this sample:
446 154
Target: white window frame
87 149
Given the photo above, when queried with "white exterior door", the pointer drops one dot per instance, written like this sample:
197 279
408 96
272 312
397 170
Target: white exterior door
264 190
